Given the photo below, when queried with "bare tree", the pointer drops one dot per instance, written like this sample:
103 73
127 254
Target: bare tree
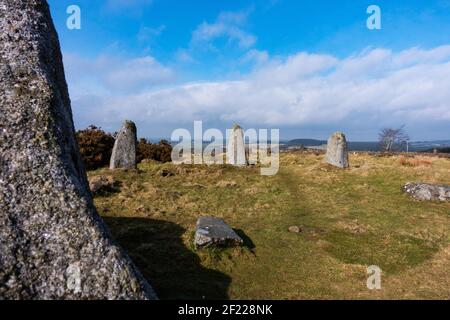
389 138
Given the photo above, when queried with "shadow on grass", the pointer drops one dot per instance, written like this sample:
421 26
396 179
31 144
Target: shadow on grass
174 271
247 241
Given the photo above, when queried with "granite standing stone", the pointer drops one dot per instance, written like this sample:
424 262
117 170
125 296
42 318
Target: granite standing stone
213 231
53 244
337 150
236 154
124 152
427 192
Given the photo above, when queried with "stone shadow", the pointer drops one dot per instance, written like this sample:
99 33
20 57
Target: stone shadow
247 241
174 271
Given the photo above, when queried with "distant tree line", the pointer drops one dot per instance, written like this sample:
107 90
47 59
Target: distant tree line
96 148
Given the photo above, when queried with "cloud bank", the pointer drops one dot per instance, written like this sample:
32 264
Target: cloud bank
372 88
228 25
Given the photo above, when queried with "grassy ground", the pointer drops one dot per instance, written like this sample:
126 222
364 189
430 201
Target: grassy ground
350 219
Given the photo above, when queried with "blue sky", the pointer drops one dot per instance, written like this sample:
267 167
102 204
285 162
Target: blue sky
306 67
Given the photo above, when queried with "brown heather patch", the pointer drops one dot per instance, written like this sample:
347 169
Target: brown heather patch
414 162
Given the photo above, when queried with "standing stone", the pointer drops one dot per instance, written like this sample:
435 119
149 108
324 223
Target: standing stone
53 244
337 150
236 154
124 151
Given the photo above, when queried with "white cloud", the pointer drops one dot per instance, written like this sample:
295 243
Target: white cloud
256 56
371 88
227 25
184 56
119 75
149 33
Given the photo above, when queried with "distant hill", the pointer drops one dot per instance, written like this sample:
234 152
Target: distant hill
353 146
306 142
363 146
414 146
429 146
439 150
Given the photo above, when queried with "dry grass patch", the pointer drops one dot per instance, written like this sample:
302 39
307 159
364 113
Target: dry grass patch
414 162
350 219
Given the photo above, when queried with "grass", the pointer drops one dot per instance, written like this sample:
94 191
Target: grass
350 219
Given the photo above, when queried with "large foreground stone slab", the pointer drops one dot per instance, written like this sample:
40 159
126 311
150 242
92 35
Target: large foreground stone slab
53 244
213 231
427 192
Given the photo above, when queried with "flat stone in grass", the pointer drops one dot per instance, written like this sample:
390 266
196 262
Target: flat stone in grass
429 192
213 231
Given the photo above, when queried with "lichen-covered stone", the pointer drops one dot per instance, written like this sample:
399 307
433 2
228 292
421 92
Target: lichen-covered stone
124 151
236 153
212 231
427 192
337 150
103 185
53 244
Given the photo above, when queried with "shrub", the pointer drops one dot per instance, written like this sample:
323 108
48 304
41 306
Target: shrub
161 152
95 147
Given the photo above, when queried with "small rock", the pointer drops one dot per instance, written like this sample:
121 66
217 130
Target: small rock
103 184
427 192
295 229
213 231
